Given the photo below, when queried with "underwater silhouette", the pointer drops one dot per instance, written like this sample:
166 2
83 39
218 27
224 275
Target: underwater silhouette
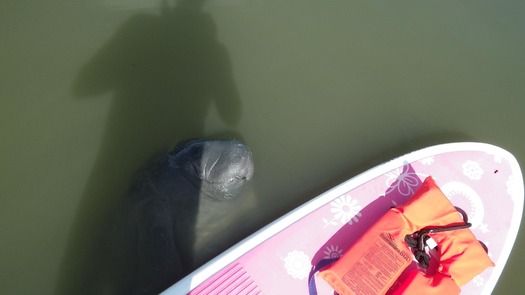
165 73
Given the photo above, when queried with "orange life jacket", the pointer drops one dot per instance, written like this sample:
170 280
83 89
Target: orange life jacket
377 259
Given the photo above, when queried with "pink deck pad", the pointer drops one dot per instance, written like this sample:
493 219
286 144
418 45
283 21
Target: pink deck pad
482 184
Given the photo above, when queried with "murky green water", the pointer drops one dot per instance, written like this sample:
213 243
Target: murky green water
320 91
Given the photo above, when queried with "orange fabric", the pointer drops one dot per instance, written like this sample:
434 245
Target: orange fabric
419 283
374 262
377 259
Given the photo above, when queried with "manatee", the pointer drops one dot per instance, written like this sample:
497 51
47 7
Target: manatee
168 208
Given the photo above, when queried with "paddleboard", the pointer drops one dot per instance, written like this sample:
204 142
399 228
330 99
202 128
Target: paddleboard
482 179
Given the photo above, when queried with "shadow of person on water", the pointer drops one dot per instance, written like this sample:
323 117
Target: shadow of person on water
165 72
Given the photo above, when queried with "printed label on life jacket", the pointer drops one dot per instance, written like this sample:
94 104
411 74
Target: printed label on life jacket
378 267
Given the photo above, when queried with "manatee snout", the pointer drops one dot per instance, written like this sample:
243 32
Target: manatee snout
219 168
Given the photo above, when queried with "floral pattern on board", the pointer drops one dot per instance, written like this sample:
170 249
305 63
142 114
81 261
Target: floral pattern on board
332 252
402 180
465 197
498 156
345 209
297 264
427 161
512 183
479 281
472 170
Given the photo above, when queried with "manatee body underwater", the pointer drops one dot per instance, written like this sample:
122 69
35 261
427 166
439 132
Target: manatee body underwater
169 207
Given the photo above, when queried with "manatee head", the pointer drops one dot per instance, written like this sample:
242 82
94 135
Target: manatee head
219 168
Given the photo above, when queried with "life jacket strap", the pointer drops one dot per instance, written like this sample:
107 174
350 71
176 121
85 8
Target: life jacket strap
417 241
312 288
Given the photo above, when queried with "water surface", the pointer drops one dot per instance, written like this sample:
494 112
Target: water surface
320 91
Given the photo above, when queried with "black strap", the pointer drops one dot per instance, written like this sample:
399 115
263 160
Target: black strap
417 240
